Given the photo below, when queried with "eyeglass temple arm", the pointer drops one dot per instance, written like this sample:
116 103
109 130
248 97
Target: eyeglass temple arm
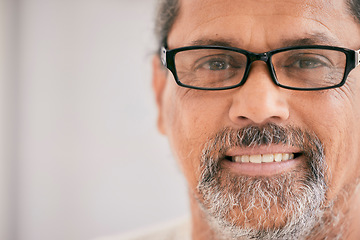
163 56
357 58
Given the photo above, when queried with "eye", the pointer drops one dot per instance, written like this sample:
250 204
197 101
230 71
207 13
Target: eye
216 65
213 63
219 62
308 61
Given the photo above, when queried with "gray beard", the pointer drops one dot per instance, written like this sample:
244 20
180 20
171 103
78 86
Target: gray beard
245 207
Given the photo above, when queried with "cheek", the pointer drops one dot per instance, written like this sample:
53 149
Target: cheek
334 117
191 117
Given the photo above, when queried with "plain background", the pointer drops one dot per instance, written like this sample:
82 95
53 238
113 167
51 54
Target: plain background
80 153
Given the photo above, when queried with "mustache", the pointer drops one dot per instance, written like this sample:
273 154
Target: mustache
255 136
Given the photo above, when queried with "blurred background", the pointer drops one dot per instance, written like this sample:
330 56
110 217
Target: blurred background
80 155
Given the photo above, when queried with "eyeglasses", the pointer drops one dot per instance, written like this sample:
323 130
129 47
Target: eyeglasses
313 67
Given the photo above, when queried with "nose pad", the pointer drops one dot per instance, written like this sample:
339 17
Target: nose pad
259 100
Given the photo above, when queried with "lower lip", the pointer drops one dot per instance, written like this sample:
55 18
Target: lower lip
262 169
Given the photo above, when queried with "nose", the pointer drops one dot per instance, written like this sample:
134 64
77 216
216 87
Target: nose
259 100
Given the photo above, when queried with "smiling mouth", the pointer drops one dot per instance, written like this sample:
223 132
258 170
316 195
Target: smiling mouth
262 164
263 158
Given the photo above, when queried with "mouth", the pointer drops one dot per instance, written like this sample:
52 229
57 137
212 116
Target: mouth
263 158
268 164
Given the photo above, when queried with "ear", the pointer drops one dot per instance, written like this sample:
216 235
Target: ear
159 80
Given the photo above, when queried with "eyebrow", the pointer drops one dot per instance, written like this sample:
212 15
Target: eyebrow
310 39
217 42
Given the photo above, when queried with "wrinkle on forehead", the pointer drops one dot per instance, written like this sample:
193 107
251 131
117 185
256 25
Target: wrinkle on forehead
314 38
206 8
216 17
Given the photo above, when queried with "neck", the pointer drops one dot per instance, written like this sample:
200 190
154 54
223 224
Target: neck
200 227
346 222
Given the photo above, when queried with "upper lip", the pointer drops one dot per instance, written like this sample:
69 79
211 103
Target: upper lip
258 150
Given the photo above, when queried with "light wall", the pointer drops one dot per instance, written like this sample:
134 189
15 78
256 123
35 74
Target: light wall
89 160
7 119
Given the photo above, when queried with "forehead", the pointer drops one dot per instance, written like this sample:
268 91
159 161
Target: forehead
254 24
261 7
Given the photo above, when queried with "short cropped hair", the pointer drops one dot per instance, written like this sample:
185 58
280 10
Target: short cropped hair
168 10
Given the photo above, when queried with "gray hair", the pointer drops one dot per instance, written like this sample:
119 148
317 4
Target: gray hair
168 10
354 7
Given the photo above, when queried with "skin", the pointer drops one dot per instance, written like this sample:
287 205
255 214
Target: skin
189 117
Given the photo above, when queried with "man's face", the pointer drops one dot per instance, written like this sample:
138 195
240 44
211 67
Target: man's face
196 120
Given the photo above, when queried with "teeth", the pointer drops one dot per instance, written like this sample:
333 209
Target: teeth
278 157
245 158
268 158
263 158
255 158
237 158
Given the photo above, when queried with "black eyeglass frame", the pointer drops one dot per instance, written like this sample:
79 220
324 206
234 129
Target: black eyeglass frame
168 60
